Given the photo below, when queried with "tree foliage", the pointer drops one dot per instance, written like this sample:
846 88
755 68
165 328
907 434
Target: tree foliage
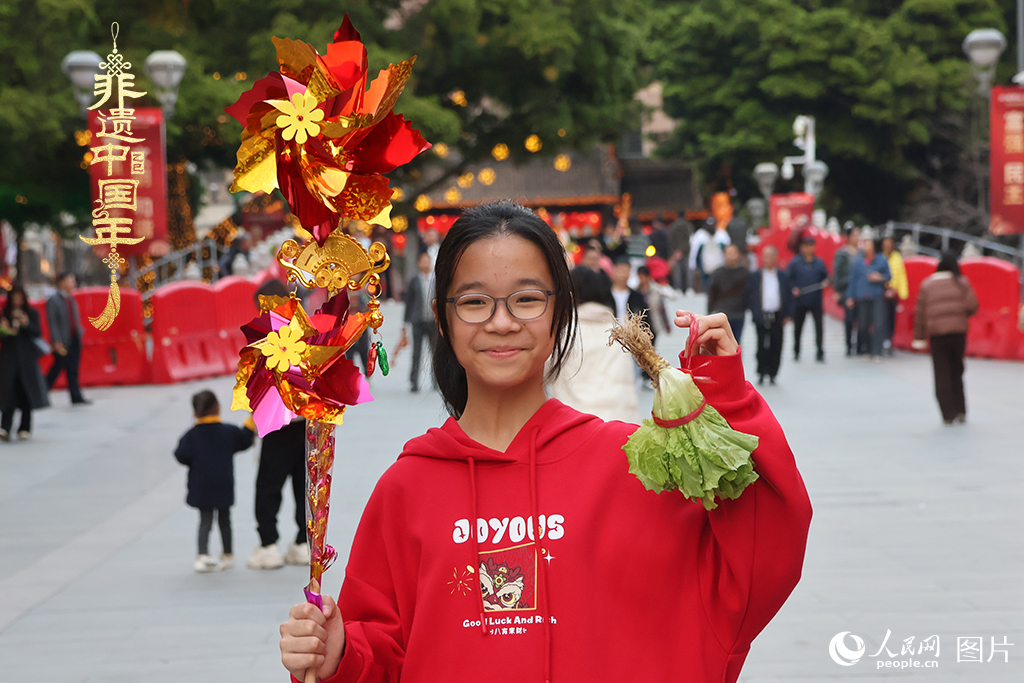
565 70
879 77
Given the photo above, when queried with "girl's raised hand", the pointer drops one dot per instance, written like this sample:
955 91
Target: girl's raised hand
313 639
714 334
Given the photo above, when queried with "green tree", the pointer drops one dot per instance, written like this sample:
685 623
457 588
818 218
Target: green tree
878 76
565 70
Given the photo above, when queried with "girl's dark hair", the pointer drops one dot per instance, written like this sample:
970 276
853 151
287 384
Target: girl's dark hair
497 219
948 263
205 404
591 285
272 287
16 288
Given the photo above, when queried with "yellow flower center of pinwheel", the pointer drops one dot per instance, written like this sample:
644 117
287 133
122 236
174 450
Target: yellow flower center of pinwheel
298 119
284 348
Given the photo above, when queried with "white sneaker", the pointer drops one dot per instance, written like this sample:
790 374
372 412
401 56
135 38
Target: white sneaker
205 564
265 557
227 561
298 554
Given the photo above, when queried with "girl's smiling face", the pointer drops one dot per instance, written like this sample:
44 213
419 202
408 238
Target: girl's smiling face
504 351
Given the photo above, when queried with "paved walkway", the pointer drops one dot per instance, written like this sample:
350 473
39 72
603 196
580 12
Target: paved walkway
917 528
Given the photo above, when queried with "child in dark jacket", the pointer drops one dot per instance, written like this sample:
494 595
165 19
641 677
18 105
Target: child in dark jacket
207 450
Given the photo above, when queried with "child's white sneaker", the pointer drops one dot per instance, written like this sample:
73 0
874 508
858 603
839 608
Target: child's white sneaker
227 561
205 564
265 557
298 554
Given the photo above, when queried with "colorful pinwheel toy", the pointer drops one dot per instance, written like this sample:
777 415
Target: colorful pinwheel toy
316 132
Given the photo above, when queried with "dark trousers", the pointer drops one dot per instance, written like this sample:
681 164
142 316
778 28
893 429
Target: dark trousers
890 318
69 364
283 455
22 403
769 345
360 348
423 331
799 314
736 323
948 364
849 324
206 523
870 325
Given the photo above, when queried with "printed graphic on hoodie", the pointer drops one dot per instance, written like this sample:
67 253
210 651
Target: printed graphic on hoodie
508 578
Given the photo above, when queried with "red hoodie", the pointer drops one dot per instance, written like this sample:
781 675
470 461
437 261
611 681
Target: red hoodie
617 584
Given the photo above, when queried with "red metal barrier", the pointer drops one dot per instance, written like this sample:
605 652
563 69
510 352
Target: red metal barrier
918 268
116 355
186 340
235 307
992 333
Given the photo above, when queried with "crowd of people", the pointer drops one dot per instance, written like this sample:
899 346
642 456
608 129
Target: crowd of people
23 388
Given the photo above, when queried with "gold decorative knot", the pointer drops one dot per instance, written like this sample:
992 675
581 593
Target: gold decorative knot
114 261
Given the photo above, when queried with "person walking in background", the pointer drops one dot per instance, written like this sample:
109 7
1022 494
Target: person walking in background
597 379
654 302
842 266
66 332
770 300
208 451
627 300
707 252
282 455
21 382
679 253
419 315
808 276
944 303
726 291
897 289
867 291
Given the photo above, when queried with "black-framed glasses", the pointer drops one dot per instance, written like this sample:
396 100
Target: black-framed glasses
529 304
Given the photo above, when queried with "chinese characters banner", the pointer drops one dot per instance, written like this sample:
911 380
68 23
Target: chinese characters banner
144 162
790 211
1007 161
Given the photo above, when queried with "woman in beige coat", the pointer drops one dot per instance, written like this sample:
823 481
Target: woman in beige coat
597 378
944 303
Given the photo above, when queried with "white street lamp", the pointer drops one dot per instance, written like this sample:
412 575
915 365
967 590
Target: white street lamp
81 67
766 174
165 69
983 46
815 173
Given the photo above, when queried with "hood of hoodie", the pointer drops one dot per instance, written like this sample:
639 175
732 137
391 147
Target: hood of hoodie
554 431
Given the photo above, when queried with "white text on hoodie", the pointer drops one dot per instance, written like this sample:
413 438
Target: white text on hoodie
516 529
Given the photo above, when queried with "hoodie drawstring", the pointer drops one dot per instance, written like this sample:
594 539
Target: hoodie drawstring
536 532
476 544
539 550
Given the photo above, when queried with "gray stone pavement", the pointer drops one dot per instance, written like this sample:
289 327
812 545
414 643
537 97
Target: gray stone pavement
917 527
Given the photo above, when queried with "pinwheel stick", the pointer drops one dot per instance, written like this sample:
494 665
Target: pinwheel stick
319 463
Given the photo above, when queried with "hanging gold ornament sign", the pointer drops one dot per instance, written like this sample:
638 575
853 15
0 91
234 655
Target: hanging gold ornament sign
117 197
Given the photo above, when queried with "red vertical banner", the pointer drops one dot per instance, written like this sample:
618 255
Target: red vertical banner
790 211
1007 161
150 216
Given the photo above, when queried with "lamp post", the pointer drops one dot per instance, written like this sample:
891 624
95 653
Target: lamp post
165 69
81 67
814 171
766 174
983 46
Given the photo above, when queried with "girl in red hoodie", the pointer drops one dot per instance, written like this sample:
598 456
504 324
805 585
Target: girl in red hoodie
512 544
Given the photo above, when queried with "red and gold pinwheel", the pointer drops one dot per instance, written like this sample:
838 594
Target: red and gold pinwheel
315 131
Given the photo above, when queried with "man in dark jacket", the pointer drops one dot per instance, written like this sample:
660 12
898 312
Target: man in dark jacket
842 266
419 315
770 300
66 332
726 290
807 276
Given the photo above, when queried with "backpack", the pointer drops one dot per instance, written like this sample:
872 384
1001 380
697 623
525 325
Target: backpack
711 258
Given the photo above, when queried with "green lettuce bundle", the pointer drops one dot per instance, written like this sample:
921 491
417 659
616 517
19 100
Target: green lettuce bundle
687 444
